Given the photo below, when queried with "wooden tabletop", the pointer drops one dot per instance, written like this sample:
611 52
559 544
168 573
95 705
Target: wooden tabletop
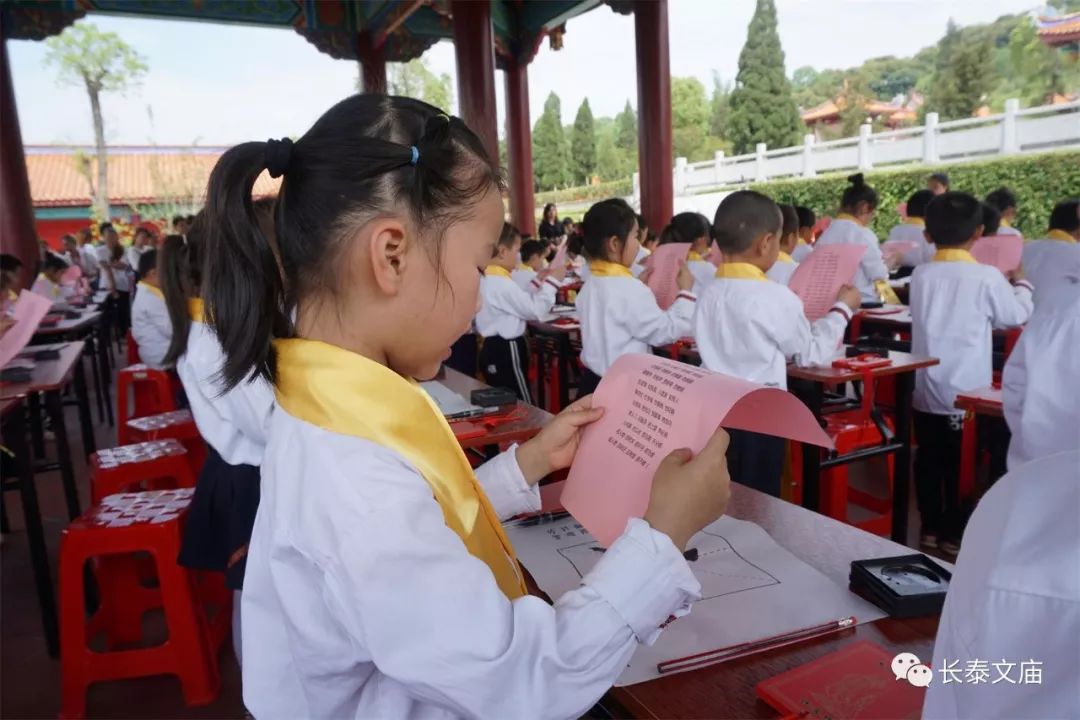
88 318
727 690
982 402
524 421
902 362
48 374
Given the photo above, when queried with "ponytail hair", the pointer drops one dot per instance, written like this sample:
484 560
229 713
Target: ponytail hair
179 274
858 192
606 219
686 227
367 156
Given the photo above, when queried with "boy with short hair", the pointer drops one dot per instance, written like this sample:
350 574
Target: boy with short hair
1057 256
532 262
150 323
807 221
937 183
748 327
785 265
955 304
1004 201
913 229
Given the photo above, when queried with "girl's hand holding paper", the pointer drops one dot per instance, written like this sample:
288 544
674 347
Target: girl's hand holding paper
554 447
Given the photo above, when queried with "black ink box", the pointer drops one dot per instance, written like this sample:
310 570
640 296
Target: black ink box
904 586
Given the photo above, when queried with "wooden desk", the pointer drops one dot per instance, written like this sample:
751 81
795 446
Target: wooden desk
564 343
92 329
726 690
527 420
977 402
13 432
49 379
809 384
982 402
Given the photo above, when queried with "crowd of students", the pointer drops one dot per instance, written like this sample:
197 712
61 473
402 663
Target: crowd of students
335 495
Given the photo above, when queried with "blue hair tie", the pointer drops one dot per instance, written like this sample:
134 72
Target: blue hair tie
415 154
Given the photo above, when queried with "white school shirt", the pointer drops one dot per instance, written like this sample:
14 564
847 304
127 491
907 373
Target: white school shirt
525 279
505 307
801 251
90 264
1041 379
359 602
704 273
150 326
782 270
638 267
132 255
749 329
1004 229
46 288
1048 262
1014 597
910 232
954 308
619 315
234 423
871 267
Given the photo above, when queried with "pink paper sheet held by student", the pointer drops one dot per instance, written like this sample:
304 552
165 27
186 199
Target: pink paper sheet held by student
820 276
664 264
653 406
1002 251
28 311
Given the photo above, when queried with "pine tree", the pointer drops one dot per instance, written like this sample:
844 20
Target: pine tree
720 107
626 124
762 107
550 149
962 76
583 145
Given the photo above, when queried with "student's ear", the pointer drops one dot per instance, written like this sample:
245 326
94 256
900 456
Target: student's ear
978 232
764 245
926 235
386 241
613 248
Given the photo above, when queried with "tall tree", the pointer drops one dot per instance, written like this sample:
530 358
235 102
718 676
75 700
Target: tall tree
626 124
550 151
416 79
962 76
101 62
583 145
689 118
719 108
762 107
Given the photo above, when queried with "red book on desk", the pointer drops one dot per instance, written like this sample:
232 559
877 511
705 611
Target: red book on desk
854 682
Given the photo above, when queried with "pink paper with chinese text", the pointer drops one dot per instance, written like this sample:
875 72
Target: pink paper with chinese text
27 314
821 274
1001 251
664 264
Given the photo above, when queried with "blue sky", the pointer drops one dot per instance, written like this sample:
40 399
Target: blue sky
222 84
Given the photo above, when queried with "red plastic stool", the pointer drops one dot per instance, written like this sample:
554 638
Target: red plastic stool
124 525
176 425
153 394
160 464
132 350
851 432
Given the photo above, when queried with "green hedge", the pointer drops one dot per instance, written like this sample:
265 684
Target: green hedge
613 188
1039 182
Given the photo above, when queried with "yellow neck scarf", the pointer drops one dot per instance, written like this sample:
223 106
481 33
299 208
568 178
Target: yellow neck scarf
694 256
523 266
54 289
921 222
886 293
12 295
195 309
954 255
349 394
785 258
846 216
740 271
151 289
1060 235
497 271
603 268
1005 223
801 241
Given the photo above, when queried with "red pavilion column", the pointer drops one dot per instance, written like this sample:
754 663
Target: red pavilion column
519 147
654 111
474 50
17 233
372 64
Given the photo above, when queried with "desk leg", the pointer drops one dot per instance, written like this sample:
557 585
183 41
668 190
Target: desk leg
37 428
905 385
63 451
812 395
564 373
541 370
82 396
104 348
35 534
95 366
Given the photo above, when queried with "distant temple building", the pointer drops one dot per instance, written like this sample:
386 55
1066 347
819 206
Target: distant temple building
898 112
1061 32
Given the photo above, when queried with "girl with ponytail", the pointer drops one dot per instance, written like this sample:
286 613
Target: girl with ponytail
233 422
695 229
379 580
857 208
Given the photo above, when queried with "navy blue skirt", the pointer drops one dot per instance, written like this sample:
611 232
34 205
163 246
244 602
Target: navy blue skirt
219 521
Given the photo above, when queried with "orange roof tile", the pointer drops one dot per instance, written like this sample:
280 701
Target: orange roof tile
1060 30
59 176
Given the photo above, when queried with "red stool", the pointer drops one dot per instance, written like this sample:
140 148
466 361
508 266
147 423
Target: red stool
175 425
160 464
124 525
851 432
153 394
132 350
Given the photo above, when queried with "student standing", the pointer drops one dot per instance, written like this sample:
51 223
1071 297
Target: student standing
150 324
955 304
379 580
505 308
784 267
1004 201
693 229
1057 256
532 263
937 183
913 229
807 221
857 208
749 327
618 312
